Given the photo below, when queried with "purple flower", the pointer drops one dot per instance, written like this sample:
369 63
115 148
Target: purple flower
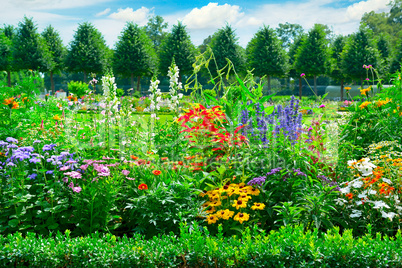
322 106
11 164
49 147
102 170
33 176
274 171
65 179
71 162
12 146
3 143
37 141
258 180
302 75
84 167
125 172
34 160
49 172
12 140
71 185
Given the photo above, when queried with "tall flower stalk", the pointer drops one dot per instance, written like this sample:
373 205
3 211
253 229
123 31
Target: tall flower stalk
174 87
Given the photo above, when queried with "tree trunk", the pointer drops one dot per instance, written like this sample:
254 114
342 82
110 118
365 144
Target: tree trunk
269 84
315 85
132 81
8 78
300 88
138 84
342 89
51 82
85 77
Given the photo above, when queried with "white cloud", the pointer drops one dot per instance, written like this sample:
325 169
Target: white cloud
139 16
212 16
357 10
102 13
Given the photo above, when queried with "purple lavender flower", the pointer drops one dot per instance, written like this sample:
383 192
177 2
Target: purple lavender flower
50 172
274 170
49 147
34 160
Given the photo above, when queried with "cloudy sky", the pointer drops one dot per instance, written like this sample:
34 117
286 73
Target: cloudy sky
202 18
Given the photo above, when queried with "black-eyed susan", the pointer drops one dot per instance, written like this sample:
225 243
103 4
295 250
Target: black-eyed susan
211 219
239 204
241 217
258 206
215 203
210 210
224 214
254 191
244 197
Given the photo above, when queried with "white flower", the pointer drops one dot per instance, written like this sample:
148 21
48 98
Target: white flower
380 204
362 195
352 162
345 190
387 180
355 213
389 215
372 192
357 184
340 201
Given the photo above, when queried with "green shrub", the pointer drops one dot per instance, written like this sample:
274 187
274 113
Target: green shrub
79 89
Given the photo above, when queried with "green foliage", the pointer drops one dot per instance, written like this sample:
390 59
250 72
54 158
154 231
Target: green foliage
5 52
265 56
210 92
224 45
177 47
134 54
119 92
160 210
87 52
78 88
194 247
312 56
358 50
30 50
155 30
288 33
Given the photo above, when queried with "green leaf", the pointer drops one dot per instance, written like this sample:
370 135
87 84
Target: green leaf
13 223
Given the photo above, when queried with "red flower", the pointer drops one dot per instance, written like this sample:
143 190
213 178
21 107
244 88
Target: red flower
156 172
143 186
133 157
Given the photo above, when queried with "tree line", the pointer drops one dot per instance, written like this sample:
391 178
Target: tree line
286 51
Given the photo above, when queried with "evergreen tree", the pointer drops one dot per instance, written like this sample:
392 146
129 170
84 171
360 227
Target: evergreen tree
224 45
134 54
293 73
336 52
265 55
57 52
358 51
177 46
312 57
6 56
87 52
30 50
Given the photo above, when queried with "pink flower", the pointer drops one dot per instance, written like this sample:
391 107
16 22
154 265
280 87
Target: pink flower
65 179
64 168
74 174
302 75
322 106
125 172
71 185
367 79
102 170
131 179
77 189
84 167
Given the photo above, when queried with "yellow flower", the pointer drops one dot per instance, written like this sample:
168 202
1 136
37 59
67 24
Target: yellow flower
210 210
211 219
224 214
254 191
365 90
348 88
258 206
383 102
364 105
215 203
239 204
244 197
56 117
241 217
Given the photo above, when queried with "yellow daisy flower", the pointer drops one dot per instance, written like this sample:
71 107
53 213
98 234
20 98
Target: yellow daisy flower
241 217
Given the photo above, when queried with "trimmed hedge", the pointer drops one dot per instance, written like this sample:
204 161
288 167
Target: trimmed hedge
287 247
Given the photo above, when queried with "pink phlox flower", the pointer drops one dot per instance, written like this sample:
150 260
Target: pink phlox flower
77 189
125 172
64 168
102 170
74 174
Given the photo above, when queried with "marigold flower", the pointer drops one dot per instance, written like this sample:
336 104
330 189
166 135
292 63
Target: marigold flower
15 105
349 195
348 88
156 172
241 217
143 186
56 117
258 206
364 105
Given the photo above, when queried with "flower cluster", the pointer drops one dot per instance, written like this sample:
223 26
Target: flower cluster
365 90
174 87
205 128
11 103
155 96
224 202
109 86
373 188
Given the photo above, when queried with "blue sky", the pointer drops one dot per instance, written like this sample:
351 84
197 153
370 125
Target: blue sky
202 18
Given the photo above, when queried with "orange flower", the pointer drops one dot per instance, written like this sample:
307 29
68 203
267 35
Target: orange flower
156 172
164 158
143 186
180 163
349 195
133 157
8 101
189 157
15 105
